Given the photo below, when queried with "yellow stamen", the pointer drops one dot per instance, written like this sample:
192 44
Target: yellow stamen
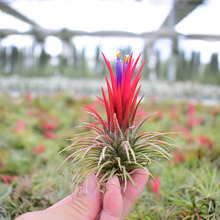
127 58
118 54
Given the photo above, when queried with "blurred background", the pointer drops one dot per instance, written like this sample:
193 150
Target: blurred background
62 41
51 66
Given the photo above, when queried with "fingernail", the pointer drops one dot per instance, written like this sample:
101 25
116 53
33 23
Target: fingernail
89 185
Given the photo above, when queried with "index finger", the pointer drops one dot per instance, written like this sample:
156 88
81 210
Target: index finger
131 194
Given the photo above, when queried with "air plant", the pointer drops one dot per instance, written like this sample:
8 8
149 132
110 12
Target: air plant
115 146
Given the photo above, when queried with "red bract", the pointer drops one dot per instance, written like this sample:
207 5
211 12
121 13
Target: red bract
20 127
7 178
93 106
39 149
48 126
191 110
121 103
160 114
199 121
187 134
205 141
191 123
214 111
49 135
154 184
178 157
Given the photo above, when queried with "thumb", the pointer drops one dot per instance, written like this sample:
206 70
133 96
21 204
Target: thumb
85 206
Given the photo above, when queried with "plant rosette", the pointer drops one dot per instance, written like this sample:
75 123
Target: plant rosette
115 146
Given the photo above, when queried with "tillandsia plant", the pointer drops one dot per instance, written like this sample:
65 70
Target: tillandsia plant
114 146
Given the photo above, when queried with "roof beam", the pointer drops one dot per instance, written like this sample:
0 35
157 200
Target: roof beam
161 33
180 10
11 11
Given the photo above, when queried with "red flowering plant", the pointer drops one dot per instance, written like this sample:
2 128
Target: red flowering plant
115 146
154 185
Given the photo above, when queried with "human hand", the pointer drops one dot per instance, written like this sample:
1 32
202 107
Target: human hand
88 203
